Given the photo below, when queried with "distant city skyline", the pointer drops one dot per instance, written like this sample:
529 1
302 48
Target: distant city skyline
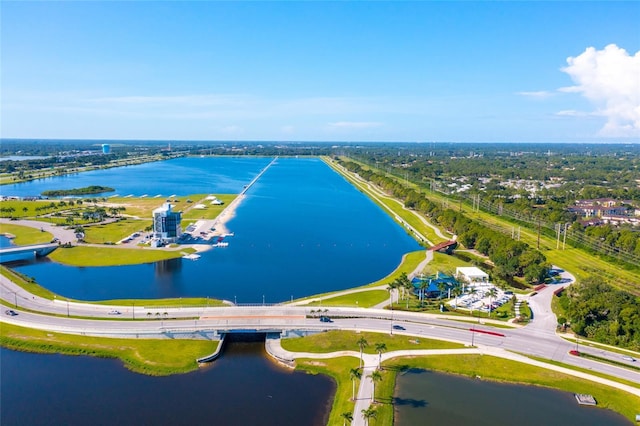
321 71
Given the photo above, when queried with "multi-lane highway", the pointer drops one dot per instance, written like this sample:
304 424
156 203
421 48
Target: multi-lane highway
280 318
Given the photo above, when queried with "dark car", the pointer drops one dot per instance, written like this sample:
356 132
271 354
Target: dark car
398 327
325 319
10 312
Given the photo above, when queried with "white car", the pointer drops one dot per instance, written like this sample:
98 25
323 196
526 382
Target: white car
628 358
114 312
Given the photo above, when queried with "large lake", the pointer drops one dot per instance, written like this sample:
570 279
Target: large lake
301 230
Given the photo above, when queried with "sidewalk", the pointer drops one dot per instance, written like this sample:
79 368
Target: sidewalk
365 390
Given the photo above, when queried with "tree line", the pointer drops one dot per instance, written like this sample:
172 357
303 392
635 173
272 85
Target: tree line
511 258
600 312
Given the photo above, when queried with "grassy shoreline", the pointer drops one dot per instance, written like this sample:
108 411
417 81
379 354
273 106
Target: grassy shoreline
501 370
154 357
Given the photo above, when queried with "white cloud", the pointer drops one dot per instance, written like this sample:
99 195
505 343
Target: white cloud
610 80
182 100
354 124
574 113
540 94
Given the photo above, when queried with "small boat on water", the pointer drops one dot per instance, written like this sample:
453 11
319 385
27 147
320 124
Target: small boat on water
192 256
221 244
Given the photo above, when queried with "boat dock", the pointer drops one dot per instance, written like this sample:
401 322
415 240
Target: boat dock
584 399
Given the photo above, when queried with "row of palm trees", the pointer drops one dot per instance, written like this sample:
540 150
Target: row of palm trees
405 286
367 414
356 374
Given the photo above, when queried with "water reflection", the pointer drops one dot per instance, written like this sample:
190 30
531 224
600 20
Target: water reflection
423 397
243 387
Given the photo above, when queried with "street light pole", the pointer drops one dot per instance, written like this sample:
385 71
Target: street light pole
67 308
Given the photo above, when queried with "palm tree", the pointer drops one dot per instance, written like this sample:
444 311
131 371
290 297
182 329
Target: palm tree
369 413
398 284
423 285
380 347
375 377
408 285
403 282
457 291
442 286
472 292
362 343
354 374
492 295
347 417
391 286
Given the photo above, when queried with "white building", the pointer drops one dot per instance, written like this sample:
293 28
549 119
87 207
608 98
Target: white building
471 274
166 224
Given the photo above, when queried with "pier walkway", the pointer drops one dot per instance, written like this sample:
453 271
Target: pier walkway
229 211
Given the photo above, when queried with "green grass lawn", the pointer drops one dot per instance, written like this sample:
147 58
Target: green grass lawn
363 299
99 256
25 235
157 357
211 211
115 231
445 263
338 369
332 341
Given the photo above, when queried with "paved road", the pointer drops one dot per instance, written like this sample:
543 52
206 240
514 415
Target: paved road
291 318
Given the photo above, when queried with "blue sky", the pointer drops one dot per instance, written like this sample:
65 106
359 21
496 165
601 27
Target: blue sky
321 71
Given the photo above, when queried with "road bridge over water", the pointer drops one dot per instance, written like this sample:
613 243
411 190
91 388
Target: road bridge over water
10 254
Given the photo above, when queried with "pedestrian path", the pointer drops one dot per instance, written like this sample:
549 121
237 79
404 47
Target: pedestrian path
371 362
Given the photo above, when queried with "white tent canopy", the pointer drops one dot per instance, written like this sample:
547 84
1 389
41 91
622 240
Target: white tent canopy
471 274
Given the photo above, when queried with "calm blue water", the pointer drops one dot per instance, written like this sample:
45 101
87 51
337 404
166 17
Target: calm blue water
446 399
242 387
301 230
182 176
5 242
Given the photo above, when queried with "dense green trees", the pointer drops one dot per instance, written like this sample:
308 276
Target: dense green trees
534 183
600 312
511 258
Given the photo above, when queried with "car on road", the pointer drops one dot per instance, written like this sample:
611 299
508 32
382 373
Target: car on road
325 319
10 312
628 358
114 312
398 327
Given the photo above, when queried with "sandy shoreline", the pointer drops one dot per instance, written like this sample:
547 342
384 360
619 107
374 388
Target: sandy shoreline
220 222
